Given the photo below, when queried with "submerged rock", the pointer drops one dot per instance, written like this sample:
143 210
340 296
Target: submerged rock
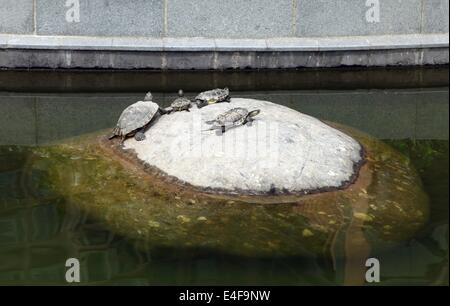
282 151
383 204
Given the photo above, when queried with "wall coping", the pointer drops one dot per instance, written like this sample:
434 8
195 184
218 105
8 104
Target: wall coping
384 42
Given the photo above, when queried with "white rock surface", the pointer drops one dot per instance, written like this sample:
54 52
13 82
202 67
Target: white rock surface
282 149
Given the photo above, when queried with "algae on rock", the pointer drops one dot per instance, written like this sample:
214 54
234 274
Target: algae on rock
385 205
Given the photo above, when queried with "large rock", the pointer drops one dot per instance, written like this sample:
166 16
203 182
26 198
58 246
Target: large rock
282 151
136 189
384 206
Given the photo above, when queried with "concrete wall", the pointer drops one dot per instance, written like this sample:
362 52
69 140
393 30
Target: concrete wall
223 18
210 26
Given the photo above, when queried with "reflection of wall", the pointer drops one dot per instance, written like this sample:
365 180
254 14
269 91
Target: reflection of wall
170 81
394 114
36 240
38 232
40 119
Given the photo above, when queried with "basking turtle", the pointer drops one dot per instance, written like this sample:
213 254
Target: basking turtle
233 117
213 96
179 104
135 118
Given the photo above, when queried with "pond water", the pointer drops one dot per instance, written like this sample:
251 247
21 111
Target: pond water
408 109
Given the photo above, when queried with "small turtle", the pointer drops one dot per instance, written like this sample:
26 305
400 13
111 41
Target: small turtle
135 118
179 104
233 117
213 96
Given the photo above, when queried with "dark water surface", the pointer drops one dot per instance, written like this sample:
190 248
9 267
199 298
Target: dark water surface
407 109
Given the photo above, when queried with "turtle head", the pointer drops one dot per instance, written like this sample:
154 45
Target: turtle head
148 97
200 104
180 93
253 113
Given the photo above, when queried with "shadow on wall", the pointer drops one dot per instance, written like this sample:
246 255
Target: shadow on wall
249 80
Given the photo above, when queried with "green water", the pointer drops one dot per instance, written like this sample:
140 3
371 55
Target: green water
39 231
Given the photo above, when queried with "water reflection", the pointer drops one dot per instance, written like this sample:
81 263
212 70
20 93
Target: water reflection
38 233
40 119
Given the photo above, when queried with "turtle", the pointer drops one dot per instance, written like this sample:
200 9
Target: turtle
179 104
213 96
233 117
135 118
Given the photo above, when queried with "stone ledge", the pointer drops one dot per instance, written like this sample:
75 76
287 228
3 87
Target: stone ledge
226 45
217 60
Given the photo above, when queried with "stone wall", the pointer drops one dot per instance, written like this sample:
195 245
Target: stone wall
223 19
227 26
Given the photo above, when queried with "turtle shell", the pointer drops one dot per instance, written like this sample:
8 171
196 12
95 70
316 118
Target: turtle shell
136 116
180 103
215 94
233 116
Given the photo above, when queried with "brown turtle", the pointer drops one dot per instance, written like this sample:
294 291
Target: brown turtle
135 118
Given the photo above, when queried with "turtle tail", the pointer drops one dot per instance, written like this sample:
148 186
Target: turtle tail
210 129
114 133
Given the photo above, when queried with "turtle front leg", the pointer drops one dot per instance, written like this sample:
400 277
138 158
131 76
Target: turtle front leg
198 103
222 128
139 136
